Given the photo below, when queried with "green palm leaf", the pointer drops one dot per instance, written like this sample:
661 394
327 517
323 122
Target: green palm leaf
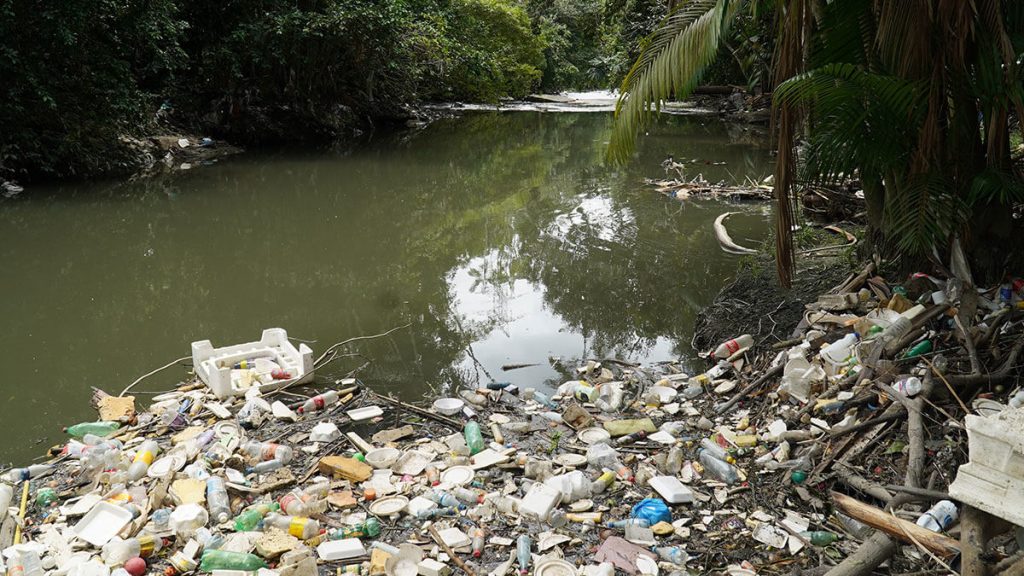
670 64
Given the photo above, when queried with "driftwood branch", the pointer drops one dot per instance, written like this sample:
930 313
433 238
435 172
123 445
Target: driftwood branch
938 544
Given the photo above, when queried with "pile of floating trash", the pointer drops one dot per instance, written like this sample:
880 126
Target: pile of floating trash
834 451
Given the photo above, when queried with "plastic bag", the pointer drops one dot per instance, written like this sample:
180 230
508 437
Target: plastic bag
653 510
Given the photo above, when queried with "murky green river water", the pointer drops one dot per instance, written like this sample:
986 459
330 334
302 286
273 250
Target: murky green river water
502 232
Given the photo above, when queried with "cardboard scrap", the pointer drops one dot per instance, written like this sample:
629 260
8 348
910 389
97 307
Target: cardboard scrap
386 436
621 553
348 468
117 409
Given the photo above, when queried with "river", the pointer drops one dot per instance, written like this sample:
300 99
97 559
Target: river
503 234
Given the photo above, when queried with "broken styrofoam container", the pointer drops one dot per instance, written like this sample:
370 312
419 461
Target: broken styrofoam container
431 567
214 365
539 502
340 549
993 479
671 489
365 413
324 432
454 537
102 523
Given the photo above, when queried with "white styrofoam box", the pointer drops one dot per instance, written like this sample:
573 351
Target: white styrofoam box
539 501
993 480
431 567
213 365
340 549
671 489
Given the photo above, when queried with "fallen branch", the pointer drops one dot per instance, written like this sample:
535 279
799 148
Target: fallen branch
750 388
940 545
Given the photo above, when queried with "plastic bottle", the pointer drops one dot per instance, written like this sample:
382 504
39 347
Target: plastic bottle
226 560
217 500
630 438
16 475
504 504
609 397
45 497
674 460
309 500
604 456
97 428
910 386
939 517
265 467
820 537
116 551
556 518
730 347
368 529
143 458
474 439
603 482
251 518
445 499
622 524
839 351
301 528
30 563
437 513
673 554
266 451
894 333
1018 400
478 542
523 545
922 347
715 450
467 496
718 469
319 402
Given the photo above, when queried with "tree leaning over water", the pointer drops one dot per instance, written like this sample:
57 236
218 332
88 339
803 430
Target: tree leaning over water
918 98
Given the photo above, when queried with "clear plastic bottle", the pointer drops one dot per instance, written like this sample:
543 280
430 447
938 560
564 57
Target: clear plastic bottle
674 460
310 500
556 518
319 402
31 565
443 498
467 496
266 467
1018 400
267 451
143 458
217 500
716 450
718 469
478 542
301 528
523 545
673 554
474 439
227 560
16 475
116 551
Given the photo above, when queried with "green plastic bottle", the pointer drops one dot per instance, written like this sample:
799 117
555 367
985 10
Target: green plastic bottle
368 529
227 560
923 347
820 537
248 520
97 428
474 439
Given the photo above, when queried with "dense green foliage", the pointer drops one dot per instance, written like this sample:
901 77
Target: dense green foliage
82 77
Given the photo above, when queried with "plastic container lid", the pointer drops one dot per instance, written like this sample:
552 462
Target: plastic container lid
593 435
389 506
571 459
166 465
555 567
458 475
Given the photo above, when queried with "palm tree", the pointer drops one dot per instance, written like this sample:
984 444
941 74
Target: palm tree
913 96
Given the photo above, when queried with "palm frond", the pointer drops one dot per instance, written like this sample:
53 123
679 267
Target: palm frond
922 212
670 64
